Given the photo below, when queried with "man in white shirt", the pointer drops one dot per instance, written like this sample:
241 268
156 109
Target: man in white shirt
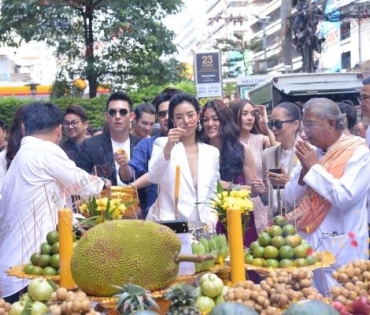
36 186
105 154
330 189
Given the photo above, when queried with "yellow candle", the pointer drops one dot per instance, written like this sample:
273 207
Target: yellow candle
235 238
177 182
65 248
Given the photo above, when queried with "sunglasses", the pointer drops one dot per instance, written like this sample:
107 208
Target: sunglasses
162 113
278 124
112 112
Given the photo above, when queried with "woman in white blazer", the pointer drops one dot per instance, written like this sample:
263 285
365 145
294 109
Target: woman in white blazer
198 163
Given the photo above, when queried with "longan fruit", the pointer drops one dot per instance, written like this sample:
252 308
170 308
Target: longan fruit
335 291
55 309
254 295
7 307
246 295
258 307
76 306
342 278
260 300
357 271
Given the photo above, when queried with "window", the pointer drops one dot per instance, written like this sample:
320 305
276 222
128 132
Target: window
346 60
345 30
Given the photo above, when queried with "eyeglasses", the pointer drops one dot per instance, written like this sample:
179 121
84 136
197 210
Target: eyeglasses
278 124
162 113
73 123
112 112
362 99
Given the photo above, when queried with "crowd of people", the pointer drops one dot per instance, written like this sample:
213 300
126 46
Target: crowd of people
304 163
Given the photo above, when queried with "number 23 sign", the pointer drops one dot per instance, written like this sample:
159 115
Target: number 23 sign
208 75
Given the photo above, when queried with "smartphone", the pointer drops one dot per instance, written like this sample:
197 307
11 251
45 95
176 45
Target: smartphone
277 171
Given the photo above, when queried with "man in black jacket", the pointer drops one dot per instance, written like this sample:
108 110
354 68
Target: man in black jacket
105 154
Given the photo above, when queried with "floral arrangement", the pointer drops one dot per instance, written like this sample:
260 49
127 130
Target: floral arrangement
98 210
235 198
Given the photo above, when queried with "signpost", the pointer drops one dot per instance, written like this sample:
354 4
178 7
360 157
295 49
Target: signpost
208 75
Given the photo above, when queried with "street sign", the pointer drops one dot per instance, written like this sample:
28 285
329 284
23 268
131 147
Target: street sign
208 74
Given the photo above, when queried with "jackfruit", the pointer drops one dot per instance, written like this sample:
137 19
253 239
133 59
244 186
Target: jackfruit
117 252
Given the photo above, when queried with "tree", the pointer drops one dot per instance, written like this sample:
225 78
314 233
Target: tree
239 46
115 42
305 40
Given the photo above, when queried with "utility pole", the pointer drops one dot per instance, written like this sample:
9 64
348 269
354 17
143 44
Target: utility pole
286 29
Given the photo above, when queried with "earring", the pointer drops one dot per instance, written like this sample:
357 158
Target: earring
199 126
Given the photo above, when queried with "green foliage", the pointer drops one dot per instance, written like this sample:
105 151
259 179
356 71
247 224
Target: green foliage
8 106
94 107
149 92
114 42
230 88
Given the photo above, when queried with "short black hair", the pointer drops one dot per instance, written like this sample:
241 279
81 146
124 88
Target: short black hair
120 96
366 81
144 108
42 117
164 96
76 110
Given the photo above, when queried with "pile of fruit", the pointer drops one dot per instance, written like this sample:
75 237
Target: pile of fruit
4 307
216 245
211 292
277 291
354 278
279 246
46 261
63 302
39 291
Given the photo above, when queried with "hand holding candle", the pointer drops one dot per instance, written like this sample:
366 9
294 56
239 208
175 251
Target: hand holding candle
65 247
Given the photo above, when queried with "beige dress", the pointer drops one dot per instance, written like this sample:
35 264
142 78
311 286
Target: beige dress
255 142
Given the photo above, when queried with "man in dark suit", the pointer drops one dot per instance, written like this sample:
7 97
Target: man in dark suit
105 154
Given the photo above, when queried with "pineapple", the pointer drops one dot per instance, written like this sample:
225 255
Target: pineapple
134 298
182 297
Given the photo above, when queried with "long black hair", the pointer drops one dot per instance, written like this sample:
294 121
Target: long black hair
15 135
232 152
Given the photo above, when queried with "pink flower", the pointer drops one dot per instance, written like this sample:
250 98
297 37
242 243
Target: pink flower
354 243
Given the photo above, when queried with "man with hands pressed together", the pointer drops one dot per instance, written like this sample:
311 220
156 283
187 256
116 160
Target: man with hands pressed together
329 189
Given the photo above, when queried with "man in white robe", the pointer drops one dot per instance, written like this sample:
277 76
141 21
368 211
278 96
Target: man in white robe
36 186
340 228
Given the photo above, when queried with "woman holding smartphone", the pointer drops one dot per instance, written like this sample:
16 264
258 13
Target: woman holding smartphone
278 161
